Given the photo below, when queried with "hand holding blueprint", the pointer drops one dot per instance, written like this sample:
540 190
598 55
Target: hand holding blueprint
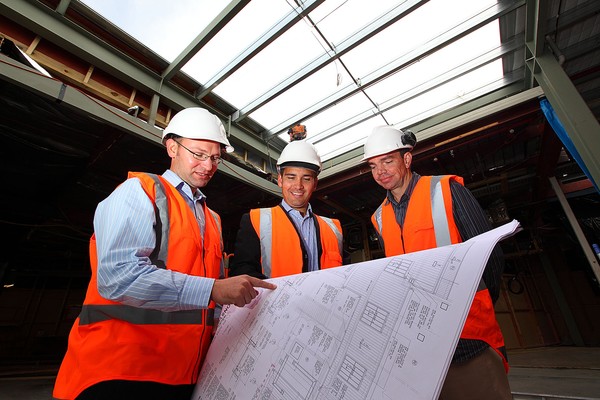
381 329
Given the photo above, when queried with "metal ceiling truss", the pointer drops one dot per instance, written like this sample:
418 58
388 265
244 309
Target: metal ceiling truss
327 58
541 68
574 114
439 42
429 85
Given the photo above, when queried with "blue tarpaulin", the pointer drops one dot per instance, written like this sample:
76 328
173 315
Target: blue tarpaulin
564 137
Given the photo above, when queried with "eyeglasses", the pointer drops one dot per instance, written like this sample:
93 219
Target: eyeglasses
201 156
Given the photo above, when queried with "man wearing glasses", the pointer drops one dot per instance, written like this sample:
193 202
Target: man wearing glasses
156 257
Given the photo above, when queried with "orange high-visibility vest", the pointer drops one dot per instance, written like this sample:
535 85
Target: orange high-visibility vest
429 223
110 340
281 252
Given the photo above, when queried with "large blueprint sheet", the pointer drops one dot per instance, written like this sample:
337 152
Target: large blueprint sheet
382 329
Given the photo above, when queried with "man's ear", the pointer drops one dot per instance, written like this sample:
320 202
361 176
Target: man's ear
407 159
171 146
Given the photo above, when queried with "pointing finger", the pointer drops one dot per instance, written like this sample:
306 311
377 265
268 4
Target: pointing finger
262 284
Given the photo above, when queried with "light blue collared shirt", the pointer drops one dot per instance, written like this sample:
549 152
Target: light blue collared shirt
306 226
125 237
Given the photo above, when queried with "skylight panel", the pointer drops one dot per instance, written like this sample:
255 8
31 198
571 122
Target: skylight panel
417 28
446 59
337 117
302 96
165 28
339 19
239 34
280 59
466 85
465 88
469 86
349 139
429 84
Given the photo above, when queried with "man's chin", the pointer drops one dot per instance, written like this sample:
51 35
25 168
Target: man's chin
298 205
200 183
385 185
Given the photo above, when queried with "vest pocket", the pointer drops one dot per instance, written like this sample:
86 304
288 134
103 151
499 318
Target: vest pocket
422 226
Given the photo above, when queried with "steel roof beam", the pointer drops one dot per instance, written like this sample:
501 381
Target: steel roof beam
28 78
535 25
573 112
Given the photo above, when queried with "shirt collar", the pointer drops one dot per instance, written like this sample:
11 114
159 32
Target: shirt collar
407 193
288 209
183 187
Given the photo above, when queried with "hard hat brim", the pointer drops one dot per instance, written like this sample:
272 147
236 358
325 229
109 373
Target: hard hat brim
300 164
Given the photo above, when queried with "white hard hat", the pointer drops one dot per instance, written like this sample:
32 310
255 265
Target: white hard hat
385 139
300 153
198 123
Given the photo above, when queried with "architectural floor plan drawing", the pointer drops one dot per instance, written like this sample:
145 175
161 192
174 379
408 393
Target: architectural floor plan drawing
382 329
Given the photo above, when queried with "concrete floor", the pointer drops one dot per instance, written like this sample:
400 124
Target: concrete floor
551 373
555 372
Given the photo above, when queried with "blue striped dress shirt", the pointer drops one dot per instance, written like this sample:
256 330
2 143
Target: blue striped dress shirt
125 238
306 226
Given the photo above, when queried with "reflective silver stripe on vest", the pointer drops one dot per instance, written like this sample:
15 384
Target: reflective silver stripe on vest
222 263
266 242
378 218
143 316
161 210
438 213
336 231
216 218
440 219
